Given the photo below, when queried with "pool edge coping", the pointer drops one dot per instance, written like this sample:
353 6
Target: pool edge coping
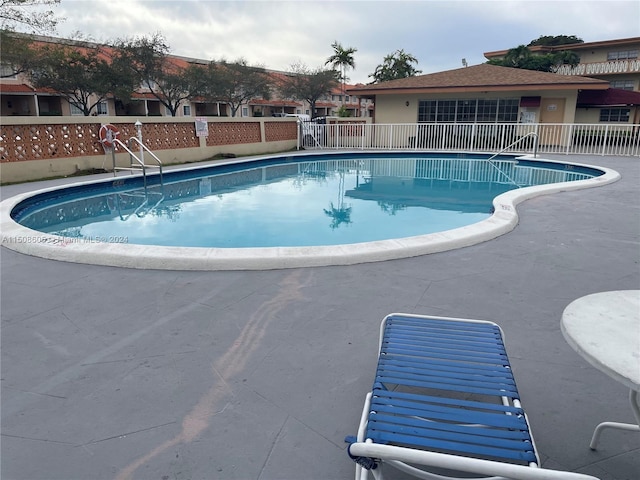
503 220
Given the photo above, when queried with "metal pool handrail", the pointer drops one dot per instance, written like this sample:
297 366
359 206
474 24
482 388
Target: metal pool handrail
139 160
535 153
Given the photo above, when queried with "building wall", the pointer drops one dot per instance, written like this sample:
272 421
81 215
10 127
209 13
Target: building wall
600 54
404 108
393 109
588 115
594 62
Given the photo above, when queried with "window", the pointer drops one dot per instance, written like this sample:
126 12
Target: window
7 71
101 108
75 109
487 110
469 110
508 110
149 85
245 111
622 55
186 110
466 111
622 84
427 111
446 111
614 115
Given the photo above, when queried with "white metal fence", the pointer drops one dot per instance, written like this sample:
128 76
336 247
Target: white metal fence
586 139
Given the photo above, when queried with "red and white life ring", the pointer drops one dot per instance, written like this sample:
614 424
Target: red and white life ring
108 133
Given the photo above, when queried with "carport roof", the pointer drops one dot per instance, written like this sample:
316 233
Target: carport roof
608 98
480 78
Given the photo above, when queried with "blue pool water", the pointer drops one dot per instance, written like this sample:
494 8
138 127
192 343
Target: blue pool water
290 201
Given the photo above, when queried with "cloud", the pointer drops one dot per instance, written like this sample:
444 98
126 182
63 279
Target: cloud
276 34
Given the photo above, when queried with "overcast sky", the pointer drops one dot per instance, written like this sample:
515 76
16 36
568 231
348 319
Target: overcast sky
277 34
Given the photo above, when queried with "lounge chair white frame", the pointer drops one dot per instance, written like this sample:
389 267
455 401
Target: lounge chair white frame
409 459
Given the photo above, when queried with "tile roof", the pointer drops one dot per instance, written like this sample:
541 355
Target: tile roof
16 88
337 90
143 96
103 52
483 77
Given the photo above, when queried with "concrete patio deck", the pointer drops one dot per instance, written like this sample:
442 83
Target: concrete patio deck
111 373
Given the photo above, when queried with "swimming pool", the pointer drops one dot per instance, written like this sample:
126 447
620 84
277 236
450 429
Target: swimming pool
352 195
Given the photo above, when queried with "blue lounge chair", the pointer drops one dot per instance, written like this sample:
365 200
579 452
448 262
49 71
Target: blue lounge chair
444 403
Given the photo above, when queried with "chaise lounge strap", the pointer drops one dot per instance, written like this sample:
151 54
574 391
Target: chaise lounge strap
497 435
427 370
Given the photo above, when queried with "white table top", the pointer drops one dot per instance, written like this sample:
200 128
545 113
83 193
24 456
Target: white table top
604 328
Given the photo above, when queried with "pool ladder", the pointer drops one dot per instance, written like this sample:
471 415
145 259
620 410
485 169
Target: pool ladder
136 163
146 205
512 144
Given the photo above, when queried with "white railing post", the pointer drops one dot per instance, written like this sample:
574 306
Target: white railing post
569 139
472 140
604 139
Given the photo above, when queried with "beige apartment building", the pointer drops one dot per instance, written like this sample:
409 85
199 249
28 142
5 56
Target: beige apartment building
18 97
616 61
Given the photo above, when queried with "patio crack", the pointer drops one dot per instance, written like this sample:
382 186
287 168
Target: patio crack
34 439
272 447
123 435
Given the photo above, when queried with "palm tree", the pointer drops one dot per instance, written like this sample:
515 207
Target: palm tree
566 58
517 57
342 58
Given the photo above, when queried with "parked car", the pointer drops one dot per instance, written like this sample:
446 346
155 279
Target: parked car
303 117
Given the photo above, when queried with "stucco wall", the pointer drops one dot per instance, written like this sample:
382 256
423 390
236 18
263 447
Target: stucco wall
587 115
394 109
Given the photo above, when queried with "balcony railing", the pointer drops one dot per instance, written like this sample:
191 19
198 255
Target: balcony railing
601 68
586 139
